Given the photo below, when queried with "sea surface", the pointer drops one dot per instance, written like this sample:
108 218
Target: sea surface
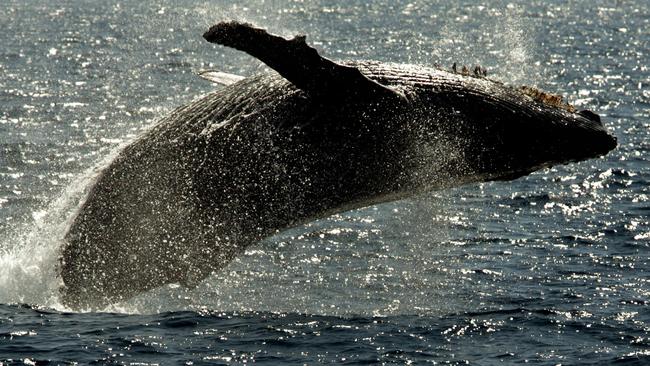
549 269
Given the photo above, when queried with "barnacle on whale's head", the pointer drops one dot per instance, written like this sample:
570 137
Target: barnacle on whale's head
547 98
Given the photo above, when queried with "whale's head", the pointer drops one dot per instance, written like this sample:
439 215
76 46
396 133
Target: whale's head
446 132
455 129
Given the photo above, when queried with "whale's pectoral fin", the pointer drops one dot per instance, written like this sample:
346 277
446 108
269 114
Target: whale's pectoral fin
219 77
299 63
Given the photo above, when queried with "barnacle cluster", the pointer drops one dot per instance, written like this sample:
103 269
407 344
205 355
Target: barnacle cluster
547 98
478 71
532 92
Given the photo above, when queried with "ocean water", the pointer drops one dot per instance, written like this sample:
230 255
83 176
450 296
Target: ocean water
552 268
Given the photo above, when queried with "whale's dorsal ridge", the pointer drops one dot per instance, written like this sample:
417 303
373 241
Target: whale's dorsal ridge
299 63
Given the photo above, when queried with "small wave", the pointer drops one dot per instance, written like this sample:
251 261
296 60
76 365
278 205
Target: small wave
527 200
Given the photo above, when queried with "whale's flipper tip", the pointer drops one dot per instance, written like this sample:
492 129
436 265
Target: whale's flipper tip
298 62
230 33
221 78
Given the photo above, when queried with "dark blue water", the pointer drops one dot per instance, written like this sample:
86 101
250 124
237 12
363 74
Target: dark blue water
550 269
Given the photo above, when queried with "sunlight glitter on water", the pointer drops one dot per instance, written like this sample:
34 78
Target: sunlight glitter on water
549 269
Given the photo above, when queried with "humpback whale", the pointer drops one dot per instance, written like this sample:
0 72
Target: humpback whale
309 139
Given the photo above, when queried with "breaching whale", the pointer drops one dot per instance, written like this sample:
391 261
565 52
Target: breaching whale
311 139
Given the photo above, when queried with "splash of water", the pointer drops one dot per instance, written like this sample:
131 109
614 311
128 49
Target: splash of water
505 45
29 256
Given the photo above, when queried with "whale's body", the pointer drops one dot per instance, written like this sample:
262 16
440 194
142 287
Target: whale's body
278 149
